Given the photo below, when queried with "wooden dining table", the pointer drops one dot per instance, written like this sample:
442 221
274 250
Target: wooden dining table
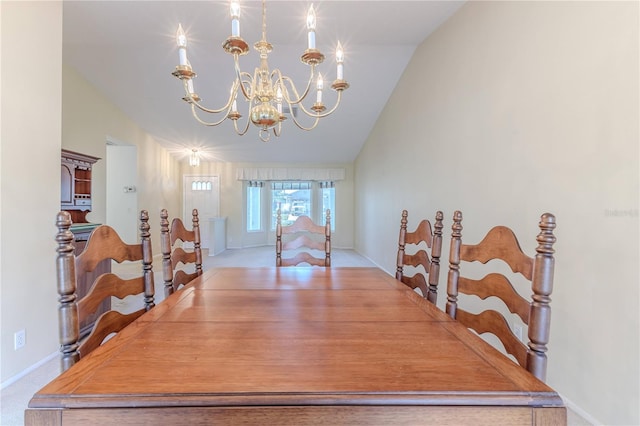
295 346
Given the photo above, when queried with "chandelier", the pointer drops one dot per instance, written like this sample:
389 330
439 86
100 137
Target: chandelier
194 158
266 92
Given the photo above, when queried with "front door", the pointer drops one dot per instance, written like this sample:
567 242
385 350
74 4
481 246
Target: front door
202 193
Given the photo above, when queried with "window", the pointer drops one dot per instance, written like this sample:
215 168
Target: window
293 199
254 197
198 185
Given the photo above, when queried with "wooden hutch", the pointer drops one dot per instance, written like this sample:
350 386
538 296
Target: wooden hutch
75 197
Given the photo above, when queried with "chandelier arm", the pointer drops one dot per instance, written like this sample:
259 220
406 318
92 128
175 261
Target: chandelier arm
201 121
189 98
277 129
284 79
325 114
196 104
241 133
300 126
247 90
239 74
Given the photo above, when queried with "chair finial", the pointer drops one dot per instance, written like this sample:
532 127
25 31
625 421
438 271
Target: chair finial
454 264
147 259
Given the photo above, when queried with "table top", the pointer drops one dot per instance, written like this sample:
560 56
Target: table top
294 336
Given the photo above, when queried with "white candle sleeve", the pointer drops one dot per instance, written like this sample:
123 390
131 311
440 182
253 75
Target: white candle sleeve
312 39
182 51
235 27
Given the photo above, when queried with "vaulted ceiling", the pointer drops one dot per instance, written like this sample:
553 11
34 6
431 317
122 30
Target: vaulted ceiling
127 50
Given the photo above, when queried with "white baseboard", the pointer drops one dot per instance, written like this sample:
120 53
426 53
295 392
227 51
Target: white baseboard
28 370
392 273
580 412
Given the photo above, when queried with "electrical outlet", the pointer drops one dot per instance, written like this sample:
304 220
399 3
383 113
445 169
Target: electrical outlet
19 339
517 330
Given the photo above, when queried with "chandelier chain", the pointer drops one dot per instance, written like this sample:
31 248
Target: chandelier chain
264 20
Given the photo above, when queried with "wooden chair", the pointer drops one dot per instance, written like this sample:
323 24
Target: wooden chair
172 256
303 230
430 266
501 243
103 243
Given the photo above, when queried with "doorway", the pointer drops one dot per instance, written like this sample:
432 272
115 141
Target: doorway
202 193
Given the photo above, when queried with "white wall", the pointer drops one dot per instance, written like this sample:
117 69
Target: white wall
46 106
121 207
30 179
509 110
88 120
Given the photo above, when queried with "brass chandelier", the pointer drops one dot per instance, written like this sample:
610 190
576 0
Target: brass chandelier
266 92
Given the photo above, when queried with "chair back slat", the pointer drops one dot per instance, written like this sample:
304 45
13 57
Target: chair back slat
180 255
108 323
302 257
499 243
416 281
418 258
302 224
493 322
107 285
179 232
104 242
303 241
499 286
422 232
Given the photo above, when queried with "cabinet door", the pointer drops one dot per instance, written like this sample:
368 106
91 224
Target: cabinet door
66 184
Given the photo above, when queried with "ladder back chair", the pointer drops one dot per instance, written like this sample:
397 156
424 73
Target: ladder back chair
173 255
302 233
501 243
422 237
103 243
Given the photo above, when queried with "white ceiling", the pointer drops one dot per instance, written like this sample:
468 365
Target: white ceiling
127 50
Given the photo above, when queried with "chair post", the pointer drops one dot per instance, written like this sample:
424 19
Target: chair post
436 252
542 286
66 277
454 264
147 259
195 227
327 243
278 237
165 244
401 244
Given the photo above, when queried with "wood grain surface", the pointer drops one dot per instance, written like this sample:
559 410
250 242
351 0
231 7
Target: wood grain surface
296 346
